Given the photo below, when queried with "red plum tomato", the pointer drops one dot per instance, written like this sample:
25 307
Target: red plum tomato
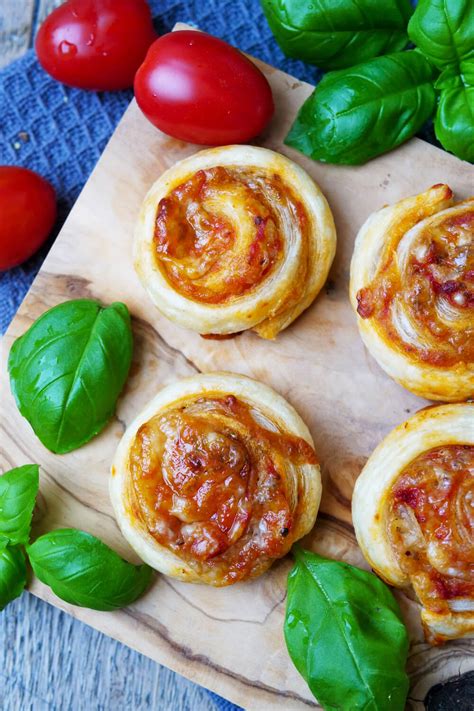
27 214
95 44
197 88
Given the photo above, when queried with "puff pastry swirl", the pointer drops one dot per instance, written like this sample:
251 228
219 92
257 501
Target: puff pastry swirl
234 238
215 479
414 517
412 286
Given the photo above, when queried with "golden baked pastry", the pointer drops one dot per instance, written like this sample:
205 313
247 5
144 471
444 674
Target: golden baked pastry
234 238
412 286
215 479
413 515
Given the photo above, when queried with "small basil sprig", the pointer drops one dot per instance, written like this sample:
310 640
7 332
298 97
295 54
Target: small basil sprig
345 635
79 568
444 31
18 490
68 369
334 35
356 114
12 573
82 570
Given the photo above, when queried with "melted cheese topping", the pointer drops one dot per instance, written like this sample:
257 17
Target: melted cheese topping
430 523
213 480
422 295
223 232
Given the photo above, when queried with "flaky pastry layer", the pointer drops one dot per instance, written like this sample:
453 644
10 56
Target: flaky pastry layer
412 288
407 501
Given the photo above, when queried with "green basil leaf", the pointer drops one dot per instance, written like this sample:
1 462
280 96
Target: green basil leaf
82 570
12 573
334 35
454 122
67 371
18 491
444 31
454 76
345 635
356 114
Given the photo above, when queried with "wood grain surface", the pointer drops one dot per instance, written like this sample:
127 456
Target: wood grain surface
19 22
229 640
16 23
52 662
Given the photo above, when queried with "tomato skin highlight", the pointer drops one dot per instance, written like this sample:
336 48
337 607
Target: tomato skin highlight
95 44
197 88
27 214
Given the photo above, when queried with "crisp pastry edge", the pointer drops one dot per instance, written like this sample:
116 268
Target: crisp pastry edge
431 427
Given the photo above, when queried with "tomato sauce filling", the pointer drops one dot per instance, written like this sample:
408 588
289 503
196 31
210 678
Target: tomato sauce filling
430 519
434 287
219 234
212 483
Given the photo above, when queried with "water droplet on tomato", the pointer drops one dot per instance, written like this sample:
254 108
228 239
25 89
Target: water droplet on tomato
67 48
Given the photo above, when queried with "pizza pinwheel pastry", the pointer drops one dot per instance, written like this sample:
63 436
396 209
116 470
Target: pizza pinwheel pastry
215 479
412 286
234 238
413 512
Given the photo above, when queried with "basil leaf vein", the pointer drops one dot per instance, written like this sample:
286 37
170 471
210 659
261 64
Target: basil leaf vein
68 369
84 571
444 31
334 35
345 635
18 491
356 114
454 121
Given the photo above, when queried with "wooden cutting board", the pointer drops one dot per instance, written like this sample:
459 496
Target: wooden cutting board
229 640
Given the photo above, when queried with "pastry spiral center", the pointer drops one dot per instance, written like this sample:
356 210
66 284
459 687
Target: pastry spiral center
423 294
211 479
430 518
220 234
